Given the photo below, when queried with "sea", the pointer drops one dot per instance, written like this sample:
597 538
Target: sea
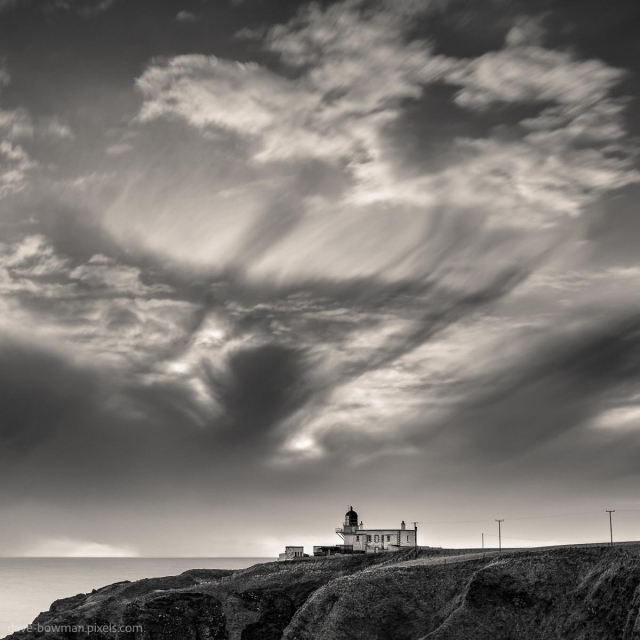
28 586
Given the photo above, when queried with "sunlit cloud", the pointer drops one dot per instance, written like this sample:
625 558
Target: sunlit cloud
68 548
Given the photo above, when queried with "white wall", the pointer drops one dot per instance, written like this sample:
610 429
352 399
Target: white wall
407 539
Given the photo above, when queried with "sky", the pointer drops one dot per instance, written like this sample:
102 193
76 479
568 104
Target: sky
260 261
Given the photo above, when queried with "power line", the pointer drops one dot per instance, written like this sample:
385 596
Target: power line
554 515
514 538
568 544
456 521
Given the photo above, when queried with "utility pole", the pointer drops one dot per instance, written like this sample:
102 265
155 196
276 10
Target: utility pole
500 534
483 545
610 511
415 538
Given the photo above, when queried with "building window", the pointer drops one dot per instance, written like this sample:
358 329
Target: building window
388 538
407 538
377 539
357 538
368 538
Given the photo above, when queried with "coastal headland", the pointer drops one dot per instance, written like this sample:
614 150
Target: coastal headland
571 593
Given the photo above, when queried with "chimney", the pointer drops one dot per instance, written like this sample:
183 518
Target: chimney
402 525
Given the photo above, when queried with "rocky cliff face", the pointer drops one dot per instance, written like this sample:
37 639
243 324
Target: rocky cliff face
573 594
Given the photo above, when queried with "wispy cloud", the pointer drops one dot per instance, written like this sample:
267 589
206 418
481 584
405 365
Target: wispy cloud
337 111
457 239
186 17
16 127
14 165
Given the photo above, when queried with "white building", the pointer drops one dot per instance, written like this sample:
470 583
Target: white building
358 539
292 553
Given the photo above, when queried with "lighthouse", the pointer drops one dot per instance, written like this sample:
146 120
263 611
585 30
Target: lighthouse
357 539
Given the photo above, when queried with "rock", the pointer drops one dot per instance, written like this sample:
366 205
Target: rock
191 616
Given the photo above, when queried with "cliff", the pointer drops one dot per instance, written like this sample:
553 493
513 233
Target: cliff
572 594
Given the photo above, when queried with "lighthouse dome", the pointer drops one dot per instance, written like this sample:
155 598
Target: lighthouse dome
351 518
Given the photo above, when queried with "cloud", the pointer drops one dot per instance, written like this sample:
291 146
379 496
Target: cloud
64 392
524 72
203 90
457 239
552 394
97 307
334 111
101 272
17 123
337 111
495 395
69 548
15 163
259 387
186 17
572 152
277 278
26 263
626 417
23 263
